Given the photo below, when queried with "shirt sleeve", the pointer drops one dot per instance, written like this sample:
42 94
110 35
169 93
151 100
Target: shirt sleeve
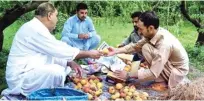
161 58
66 32
61 62
157 65
135 47
127 40
52 47
91 28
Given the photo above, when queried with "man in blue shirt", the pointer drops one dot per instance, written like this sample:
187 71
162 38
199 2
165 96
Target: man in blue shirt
79 30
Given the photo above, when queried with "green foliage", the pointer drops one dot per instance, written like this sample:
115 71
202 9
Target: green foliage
6 5
196 56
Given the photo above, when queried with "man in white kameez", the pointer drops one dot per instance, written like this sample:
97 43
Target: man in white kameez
36 59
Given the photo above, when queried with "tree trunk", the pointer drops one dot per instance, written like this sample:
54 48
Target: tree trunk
200 40
11 15
1 40
195 22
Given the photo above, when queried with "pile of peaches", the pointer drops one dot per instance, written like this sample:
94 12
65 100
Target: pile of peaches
91 85
121 92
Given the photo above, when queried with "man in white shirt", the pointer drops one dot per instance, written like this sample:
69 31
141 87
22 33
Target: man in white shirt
37 59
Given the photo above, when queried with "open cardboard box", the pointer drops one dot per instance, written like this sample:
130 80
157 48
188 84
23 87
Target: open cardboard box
113 79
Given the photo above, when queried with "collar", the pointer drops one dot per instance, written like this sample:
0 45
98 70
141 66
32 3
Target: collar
77 18
157 37
41 28
40 24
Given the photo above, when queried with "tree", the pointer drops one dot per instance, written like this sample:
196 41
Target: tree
197 22
9 16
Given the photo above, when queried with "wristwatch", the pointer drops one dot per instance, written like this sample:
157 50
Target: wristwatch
128 76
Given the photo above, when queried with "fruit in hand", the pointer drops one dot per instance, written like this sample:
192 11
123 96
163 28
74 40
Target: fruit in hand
127 68
105 51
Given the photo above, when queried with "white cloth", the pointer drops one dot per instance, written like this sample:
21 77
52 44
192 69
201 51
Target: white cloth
36 60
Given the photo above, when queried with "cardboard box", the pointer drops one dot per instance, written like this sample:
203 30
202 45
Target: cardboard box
111 78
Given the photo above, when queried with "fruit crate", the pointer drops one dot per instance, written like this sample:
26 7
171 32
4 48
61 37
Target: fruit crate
60 94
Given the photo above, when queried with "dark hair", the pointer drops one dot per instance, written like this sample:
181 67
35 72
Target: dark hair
136 14
44 8
149 18
81 6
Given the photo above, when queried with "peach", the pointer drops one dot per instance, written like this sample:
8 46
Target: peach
96 80
135 93
105 51
127 98
91 81
119 86
137 98
126 90
79 85
132 90
92 77
132 87
99 85
145 94
129 94
122 94
76 80
117 94
87 84
83 81
127 68
97 93
86 89
113 97
111 90
90 97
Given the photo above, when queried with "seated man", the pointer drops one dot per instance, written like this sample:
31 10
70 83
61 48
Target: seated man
79 30
134 37
37 59
167 59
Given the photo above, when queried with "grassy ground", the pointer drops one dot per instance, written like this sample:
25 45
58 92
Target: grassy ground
113 33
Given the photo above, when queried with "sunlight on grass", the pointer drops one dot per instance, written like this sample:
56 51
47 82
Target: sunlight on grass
9 33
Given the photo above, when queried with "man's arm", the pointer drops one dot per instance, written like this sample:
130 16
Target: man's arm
91 28
132 47
95 54
76 67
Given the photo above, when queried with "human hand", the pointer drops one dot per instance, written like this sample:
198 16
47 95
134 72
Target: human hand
86 36
112 51
76 67
121 74
95 54
83 36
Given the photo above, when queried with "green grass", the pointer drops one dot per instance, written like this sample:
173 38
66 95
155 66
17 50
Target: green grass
114 32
